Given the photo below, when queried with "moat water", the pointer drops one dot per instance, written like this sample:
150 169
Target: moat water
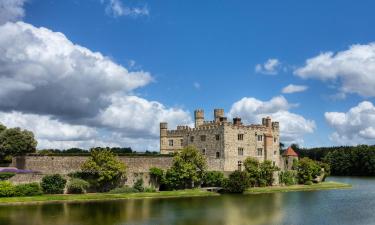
353 206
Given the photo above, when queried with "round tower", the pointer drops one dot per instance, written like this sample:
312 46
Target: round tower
199 117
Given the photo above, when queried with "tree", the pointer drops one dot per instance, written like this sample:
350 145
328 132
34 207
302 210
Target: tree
237 182
14 141
307 170
213 179
103 170
2 127
187 169
266 173
252 167
53 184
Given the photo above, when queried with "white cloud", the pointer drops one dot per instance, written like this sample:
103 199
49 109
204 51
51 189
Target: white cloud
41 71
357 126
291 88
354 68
292 126
270 67
116 8
11 10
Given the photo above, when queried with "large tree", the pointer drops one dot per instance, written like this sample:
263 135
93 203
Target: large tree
187 170
14 141
103 170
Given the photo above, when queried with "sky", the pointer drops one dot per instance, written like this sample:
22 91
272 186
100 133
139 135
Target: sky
107 72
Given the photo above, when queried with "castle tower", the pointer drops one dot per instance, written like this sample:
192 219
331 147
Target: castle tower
267 122
218 113
199 117
288 157
163 137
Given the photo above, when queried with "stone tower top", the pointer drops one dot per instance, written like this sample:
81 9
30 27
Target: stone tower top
218 113
199 117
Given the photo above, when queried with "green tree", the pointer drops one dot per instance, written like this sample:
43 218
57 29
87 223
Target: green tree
237 182
2 127
187 170
307 170
103 170
14 141
267 170
252 168
53 184
213 179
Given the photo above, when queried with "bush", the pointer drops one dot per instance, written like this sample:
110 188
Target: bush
308 182
149 189
6 189
77 186
237 182
157 176
123 190
138 185
307 170
30 189
53 184
288 177
6 175
213 179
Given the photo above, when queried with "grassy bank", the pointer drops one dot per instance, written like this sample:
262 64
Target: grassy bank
314 187
104 196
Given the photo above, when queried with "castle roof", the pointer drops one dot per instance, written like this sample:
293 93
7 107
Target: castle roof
290 152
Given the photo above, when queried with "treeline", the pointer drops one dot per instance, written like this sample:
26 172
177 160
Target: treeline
343 160
80 151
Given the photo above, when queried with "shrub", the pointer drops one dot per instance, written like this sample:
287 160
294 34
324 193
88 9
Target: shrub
6 175
149 189
77 186
213 179
123 190
288 177
30 189
307 170
237 182
157 176
53 184
138 185
308 182
6 189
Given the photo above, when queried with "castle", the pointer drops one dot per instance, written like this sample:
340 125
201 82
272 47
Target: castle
226 144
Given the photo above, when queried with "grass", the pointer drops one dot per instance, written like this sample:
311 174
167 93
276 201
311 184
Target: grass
103 196
329 185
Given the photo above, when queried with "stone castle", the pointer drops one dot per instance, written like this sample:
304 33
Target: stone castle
226 144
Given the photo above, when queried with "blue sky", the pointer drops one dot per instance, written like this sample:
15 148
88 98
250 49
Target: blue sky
205 54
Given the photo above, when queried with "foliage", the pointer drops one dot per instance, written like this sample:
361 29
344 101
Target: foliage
260 174
237 182
124 189
309 182
6 189
157 176
53 184
14 141
288 177
307 170
77 186
103 170
187 170
138 185
6 175
30 189
213 179
149 189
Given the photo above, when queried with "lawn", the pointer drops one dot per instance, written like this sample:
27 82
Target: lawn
104 196
314 187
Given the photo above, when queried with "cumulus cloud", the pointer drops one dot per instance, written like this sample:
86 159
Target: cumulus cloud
354 68
291 88
41 71
11 10
357 126
292 126
270 67
116 8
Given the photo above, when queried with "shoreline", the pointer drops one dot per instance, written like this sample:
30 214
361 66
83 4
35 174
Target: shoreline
94 197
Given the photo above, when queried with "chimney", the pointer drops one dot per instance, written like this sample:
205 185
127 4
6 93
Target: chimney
237 121
218 113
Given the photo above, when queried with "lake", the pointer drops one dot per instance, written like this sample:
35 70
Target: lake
353 206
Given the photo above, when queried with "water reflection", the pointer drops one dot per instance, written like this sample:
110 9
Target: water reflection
355 206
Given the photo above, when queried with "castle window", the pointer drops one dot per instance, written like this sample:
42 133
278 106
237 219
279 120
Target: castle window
204 151
275 140
203 137
240 151
182 142
260 137
274 152
170 142
217 155
217 136
240 137
191 138
260 152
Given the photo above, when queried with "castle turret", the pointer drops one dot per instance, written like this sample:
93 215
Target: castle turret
218 113
267 122
163 137
289 156
199 117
